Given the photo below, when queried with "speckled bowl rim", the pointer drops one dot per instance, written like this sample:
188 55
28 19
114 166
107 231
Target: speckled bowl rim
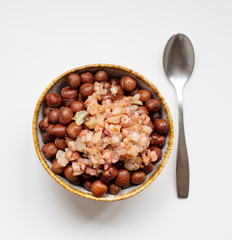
87 195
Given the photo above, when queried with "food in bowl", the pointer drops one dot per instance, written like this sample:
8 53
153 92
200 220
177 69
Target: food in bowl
103 133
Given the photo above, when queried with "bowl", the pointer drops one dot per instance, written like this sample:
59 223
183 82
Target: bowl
116 71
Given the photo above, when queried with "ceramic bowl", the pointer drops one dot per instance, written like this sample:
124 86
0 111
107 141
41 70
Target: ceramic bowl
115 71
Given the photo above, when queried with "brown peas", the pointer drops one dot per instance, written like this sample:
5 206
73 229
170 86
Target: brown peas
127 83
66 102
56 167
57 130
153 105
114 189
110 173
142 110
86 89
49 150
77 106
87 184
156 116
98 188
127 185
53 100
74 130
138 177
53 116
119 97
69 93
108 96
44 123
68 172
158 152
86 176
106 85
101 76
158 140
49 128
77 181
47 137
73 80
46 111
123 178
144 95
65 115
120 92
86 77
80 98
60 143
147 169
60 131
104 179
161 126
113 81
119 164
135 91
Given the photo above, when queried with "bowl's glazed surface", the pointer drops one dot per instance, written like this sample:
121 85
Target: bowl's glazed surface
113 71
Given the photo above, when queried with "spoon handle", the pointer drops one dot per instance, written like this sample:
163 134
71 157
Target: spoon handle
182 167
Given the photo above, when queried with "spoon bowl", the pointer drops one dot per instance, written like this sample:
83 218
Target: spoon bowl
178 59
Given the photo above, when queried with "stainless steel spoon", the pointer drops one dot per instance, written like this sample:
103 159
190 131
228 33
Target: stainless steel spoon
178 63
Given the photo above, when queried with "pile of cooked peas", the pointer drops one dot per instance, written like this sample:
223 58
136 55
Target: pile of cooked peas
58 127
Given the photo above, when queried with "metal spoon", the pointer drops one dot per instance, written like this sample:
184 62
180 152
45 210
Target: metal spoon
178 63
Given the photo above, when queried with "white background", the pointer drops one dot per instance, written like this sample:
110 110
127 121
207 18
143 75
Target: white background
39 40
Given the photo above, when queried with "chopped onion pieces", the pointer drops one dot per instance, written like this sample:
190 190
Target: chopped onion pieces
79 117
115 120
60 154
114 90
80 145
97 137
103 91
92 123
137 102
